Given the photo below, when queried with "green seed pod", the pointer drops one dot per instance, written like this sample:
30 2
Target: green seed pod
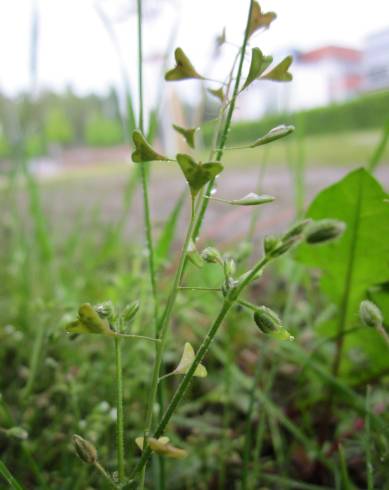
17 433
211 255
130 311
370 314
297 229
267 320
270 243
84 449
324 230
105 310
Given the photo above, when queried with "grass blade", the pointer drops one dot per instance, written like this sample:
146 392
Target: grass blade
14 484
379 150
168 232
369 464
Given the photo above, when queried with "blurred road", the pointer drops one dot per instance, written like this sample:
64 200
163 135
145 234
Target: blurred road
66 199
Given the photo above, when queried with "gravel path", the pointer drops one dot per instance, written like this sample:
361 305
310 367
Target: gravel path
65 200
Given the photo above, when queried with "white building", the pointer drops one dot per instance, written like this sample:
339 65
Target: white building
320 77
375 63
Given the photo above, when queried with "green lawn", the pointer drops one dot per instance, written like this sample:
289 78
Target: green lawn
351 148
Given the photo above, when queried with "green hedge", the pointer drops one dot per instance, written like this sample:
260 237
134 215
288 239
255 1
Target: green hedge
366 112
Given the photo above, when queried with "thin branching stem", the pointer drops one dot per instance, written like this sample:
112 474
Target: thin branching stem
229 301
119 410
227 125
144 170
101 470
162 332
369 461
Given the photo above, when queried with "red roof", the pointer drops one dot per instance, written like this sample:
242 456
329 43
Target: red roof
334 52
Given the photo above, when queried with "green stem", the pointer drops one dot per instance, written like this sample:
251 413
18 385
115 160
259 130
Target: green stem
144 169
227 125
148 228
162 331
203 349
369 459
384 334
119 408
139 337
343 314
105 474
34 363
248 429
12 482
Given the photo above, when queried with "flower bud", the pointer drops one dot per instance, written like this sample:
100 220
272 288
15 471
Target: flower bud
267 320
17 433
130 311
370 314
211 255
105 310
270 243
84 449
228 285
229 266
324 230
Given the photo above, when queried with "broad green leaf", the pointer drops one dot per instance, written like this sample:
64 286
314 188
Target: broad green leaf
356 261
186 361
89 322
188 134
161 446
259 20
218 93
258 65
197 174
274 134
183 70
280 72
168 232
144 152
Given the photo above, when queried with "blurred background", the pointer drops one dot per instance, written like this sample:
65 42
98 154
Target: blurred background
72 215
68 90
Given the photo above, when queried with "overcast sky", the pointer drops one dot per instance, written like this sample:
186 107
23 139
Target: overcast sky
74 47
